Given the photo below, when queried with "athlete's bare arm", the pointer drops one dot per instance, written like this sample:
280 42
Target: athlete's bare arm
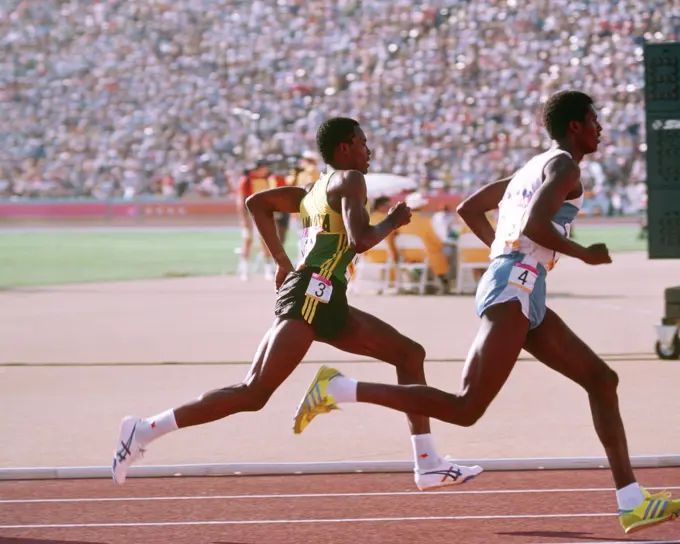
262 206
562 178
474 208
361 235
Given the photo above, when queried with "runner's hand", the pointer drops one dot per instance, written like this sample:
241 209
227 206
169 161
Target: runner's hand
597 254
282 270
400 214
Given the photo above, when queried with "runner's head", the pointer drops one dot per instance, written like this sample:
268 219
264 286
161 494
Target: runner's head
342 144
570 118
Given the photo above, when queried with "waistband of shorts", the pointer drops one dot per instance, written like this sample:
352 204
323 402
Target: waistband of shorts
527 260
309 270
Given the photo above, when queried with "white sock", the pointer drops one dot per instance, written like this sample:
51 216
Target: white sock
152 428
630 496
343 389
424 452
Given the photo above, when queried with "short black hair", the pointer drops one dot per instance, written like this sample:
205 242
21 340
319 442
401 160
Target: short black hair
562 108
332 133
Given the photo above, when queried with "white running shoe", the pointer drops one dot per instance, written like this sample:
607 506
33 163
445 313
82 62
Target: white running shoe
127 451
447 473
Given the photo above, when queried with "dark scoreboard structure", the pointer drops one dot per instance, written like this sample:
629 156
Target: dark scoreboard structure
662 110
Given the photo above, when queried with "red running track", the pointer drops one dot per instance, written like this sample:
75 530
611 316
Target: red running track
515 507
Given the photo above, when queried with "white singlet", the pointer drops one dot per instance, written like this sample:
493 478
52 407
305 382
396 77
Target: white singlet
512 213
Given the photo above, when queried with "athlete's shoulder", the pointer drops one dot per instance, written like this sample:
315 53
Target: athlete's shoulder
562 171
561 165
348 182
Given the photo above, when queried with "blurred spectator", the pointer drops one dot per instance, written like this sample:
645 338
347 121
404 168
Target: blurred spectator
434 247
254 181
379 208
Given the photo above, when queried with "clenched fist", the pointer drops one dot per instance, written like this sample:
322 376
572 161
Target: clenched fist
597 254
400 215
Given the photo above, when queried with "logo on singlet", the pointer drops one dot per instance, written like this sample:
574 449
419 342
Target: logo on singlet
323 221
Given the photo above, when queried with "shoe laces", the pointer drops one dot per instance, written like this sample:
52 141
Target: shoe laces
664 495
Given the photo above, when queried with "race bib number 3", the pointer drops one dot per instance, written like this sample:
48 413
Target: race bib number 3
320 288
523 276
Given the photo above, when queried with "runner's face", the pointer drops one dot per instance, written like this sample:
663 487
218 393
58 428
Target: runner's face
589 136
361 154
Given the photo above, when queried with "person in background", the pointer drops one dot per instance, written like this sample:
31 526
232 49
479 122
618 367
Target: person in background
252 182
379 209
309 172
305 173
476 254
443 223
421 226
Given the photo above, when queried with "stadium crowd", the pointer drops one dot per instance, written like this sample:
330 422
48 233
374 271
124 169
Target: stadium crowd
110 98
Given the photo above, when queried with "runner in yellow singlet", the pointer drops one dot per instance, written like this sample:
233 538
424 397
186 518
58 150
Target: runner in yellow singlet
312 305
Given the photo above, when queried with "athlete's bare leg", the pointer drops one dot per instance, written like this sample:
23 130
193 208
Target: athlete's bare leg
491 359
557 346
279 353
246 241
243 270
367 335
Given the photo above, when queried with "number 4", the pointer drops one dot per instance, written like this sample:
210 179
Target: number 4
523 277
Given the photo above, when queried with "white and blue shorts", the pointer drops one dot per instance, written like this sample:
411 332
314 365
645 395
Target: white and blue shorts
514 277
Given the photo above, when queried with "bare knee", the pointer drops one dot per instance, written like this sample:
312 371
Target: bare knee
471 414
603 382
415 357
464 410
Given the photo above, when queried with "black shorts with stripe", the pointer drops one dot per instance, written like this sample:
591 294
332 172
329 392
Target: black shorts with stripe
327 318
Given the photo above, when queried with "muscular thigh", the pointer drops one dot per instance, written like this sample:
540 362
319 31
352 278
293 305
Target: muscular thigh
494 352
279 353
367 335
554 344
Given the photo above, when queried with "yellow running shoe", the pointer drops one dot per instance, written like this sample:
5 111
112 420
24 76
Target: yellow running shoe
655 509
316 400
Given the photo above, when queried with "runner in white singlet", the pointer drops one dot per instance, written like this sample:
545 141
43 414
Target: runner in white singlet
536 206
519 264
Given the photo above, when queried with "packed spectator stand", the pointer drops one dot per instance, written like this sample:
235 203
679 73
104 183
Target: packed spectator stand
118 99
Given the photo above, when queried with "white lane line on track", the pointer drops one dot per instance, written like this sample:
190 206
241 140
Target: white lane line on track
433 493
648 541
298 521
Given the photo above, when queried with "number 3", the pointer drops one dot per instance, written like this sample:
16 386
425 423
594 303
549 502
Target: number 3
322 288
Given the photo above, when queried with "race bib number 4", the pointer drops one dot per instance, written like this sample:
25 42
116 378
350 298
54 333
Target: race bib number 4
320 288
523 276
